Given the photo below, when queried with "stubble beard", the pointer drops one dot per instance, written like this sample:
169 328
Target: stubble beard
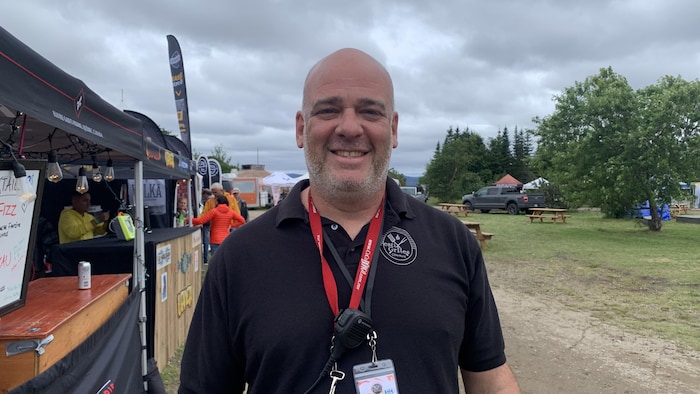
347 190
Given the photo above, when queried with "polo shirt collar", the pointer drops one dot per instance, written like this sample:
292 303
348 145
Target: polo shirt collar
397 204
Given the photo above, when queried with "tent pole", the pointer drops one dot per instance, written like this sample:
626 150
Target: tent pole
190 210
140 266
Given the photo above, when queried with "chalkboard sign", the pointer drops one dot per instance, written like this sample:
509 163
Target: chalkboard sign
18 223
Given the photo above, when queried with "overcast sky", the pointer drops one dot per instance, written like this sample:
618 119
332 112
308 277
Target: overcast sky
483 65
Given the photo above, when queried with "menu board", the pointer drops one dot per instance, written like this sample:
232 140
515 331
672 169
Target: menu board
17 220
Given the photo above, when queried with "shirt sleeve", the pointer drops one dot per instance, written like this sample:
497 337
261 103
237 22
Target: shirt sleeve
73 225
99 230
483 347
208 205
204 218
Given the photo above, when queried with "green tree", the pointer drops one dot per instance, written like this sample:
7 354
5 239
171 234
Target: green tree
458 166
223 158
665 147
522 151
609 146
499 155
397 175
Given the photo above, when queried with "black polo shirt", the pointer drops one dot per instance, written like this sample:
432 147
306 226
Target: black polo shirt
263 316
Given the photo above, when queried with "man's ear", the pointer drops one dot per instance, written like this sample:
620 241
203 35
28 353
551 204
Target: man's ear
300 129
395 129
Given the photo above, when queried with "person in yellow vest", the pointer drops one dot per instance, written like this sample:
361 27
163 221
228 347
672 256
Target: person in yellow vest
77 224
218 190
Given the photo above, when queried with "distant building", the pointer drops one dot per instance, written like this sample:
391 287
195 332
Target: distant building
253 171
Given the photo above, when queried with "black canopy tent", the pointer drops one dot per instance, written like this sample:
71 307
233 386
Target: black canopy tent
44 109
65 115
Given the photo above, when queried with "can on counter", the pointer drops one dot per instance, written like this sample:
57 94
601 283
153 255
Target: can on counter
84 275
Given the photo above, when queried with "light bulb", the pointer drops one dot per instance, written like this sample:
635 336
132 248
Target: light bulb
27 194
81 185
26 190
109 171
96 174
53 170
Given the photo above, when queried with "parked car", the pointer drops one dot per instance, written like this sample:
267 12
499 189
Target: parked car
413 192
502 197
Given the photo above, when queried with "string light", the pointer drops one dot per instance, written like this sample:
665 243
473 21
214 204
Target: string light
96 175
53 169
27 194
81 185
109 171
26 190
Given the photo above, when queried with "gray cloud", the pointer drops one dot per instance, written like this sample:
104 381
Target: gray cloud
484 65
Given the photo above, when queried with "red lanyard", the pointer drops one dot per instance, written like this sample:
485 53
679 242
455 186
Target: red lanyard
365 261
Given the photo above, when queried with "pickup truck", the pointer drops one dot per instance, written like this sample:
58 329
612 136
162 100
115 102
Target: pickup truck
414 192
502 197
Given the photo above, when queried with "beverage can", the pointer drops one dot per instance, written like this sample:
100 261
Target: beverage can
84 275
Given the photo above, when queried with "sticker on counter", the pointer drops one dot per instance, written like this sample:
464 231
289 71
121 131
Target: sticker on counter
163 256
163 286
196 238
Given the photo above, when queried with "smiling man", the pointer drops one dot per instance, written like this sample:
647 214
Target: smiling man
348 283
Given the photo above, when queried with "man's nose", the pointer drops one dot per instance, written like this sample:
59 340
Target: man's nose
350 123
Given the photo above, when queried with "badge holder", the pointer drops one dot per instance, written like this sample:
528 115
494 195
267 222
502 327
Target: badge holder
377 376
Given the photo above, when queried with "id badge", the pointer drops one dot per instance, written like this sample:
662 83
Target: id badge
375 378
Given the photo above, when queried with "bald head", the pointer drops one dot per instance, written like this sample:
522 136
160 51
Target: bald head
347 63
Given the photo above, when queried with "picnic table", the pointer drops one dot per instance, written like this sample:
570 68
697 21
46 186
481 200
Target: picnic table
455 209
679 209
481 236
548 213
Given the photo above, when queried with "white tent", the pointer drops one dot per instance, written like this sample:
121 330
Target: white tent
535 184
279 178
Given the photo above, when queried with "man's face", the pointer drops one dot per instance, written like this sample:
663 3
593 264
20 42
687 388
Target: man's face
348 126
82 203
217 192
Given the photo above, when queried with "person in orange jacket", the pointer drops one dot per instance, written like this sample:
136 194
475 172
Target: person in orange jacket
222 219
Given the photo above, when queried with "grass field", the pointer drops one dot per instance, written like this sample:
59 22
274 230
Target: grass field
616 269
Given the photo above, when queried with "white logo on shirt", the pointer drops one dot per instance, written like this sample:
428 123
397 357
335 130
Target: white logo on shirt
398 247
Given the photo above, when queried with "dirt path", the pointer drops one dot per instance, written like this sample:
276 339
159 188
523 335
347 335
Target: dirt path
555 350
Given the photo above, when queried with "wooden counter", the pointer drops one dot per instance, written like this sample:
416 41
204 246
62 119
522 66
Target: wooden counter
55 306
173 258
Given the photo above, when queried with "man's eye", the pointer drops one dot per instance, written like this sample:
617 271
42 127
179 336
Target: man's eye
372 112
326 111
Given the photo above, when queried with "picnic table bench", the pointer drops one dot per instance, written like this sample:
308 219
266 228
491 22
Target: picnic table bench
679 209
481 236
553 214
455 209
